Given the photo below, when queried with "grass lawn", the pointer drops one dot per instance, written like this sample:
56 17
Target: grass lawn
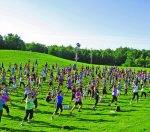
132 118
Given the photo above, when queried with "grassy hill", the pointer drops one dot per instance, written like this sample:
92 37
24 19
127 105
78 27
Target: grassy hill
133 118
14 56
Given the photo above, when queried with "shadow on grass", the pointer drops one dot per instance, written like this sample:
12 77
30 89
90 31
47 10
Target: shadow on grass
18 106
108 114
111 114
15 130
67 115
44 104
136 106
74 128
130 110
48 125
16 118
43 112
87 108
94 120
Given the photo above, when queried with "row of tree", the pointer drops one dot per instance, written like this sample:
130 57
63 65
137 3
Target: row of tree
120 56
14 42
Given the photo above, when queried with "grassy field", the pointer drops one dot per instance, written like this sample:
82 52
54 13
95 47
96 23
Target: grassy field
132 118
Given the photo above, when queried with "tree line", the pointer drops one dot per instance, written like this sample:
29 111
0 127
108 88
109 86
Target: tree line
120 57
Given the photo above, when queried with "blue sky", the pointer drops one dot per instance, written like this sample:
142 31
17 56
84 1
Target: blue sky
93 23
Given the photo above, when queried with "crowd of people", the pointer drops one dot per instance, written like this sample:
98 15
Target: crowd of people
80 83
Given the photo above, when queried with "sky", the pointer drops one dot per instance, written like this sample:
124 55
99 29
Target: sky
96 24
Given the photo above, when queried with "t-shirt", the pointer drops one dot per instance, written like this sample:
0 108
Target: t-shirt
69 83
29 104
135 89
78 96
5 98
27 91
114 92
59 99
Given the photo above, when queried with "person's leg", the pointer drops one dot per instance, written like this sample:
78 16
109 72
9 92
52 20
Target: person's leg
35 103
137 97
72 109
72 97
57 108
80 106
25 96
6 108
89 92
61 109
96 102
145 94
1 112
31 114
26 115
133 96
20 85
23 84
142 94
92 96
125 92
116 100
113 99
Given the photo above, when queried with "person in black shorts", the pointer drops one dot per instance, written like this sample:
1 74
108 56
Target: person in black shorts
78 100
59 100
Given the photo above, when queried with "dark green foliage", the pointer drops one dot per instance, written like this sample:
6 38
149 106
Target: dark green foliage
1 42
13 41
119 57
36 47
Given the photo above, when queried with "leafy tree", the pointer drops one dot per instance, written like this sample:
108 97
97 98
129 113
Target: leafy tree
14 42
1 42
36 47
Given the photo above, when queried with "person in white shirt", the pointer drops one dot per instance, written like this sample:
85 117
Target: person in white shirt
135 91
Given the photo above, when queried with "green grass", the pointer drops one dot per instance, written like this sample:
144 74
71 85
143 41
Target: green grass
133 118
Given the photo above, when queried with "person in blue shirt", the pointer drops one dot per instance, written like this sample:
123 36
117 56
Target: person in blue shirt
59 100
1 106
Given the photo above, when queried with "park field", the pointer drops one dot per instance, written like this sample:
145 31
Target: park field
132 118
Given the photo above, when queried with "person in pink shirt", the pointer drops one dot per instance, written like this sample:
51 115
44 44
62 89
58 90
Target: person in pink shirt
78 100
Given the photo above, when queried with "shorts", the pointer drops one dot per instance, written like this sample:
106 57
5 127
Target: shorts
104 91
69 87
78 103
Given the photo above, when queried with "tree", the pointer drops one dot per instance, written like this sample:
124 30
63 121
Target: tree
14 42
36 47
1 42
130 61
147 60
